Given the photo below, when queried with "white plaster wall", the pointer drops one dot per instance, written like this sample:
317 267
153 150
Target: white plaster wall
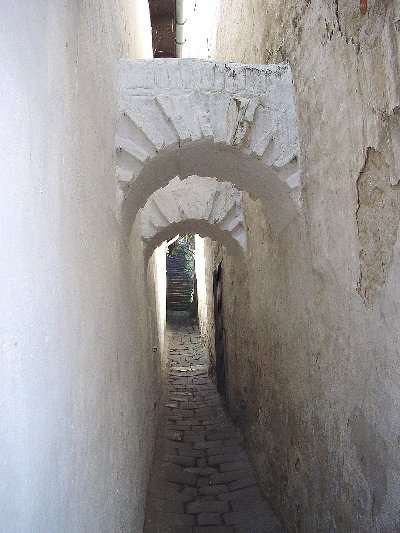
200 29
78 377
206 260
200 266
160 284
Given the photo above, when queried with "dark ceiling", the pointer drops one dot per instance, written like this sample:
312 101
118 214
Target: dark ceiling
162 14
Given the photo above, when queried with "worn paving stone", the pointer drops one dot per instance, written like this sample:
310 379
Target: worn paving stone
183 478
206 471
202 481
212 490
214 529
209 519
180 460
244 518
250 493
227 477
191 452
223 459
235 451
204 506
236 465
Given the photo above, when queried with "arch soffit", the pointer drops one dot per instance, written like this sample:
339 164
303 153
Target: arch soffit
195 205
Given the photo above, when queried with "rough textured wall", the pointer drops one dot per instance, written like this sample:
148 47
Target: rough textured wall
77 370
313 327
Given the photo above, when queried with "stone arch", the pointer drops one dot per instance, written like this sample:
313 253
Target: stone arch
233 122
195 205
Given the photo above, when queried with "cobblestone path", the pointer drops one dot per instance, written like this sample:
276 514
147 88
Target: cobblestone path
201 480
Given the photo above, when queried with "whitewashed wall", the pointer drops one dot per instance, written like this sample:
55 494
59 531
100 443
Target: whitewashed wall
77 387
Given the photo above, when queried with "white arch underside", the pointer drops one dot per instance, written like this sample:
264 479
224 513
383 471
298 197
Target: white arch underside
195 205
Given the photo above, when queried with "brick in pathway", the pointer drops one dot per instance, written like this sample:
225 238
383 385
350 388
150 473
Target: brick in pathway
202 480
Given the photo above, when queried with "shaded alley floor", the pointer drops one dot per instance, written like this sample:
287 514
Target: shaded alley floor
201 479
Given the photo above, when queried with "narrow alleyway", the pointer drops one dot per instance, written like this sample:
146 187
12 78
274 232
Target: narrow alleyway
201 480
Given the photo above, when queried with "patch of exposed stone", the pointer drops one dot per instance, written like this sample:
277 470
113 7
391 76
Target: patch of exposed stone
201 480
378 217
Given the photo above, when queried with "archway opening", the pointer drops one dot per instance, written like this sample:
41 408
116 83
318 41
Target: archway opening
236 124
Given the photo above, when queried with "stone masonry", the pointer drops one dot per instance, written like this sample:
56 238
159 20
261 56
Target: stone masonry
201 480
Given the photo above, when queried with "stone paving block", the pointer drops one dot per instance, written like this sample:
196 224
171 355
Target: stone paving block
236 465
184 413
203 482
191 452
205 498
252 520
213 490
201 506
226 458
206 471
181 477
179 426
250 493
227 477
207 445
181 460
174 435
180 445
194 436
228 450
214 529
186 423
209 519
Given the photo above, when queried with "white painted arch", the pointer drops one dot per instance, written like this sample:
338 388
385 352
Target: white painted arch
180 117
195 205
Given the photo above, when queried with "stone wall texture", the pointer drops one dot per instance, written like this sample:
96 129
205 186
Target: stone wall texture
79 377
312 321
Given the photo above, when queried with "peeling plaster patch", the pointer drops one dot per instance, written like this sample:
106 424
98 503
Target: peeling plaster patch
378 217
